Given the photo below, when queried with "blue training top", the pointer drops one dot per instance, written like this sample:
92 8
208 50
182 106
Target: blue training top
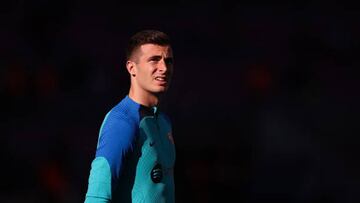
135 157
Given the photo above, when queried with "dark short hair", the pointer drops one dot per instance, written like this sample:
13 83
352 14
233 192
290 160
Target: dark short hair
146 37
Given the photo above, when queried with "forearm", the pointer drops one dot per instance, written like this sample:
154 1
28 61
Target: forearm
91 199
99 188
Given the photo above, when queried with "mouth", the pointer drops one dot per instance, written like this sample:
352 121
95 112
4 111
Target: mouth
161 79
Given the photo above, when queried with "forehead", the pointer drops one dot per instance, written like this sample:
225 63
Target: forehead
155 50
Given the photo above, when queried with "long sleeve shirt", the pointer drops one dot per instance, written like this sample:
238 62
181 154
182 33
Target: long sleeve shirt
135 157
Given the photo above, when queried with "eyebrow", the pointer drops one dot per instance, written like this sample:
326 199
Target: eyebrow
155 57
158 57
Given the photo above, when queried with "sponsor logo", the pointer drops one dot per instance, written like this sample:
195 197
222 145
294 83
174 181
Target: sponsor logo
156 173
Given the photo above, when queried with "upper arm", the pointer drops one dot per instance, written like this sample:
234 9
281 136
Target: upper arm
116 141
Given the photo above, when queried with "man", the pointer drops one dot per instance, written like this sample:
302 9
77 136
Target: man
135 153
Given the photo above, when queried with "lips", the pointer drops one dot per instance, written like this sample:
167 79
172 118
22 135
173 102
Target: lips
161 79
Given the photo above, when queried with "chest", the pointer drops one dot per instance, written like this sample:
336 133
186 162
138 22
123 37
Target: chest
157 141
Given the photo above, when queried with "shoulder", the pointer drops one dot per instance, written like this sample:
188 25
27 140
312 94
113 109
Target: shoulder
117 133
122 116
120 124
165 117
165 122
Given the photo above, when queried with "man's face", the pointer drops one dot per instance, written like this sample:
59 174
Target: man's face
153 68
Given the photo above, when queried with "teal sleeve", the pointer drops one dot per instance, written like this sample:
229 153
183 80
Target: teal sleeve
99 188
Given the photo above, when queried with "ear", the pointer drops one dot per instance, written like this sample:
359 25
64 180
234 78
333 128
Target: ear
130 66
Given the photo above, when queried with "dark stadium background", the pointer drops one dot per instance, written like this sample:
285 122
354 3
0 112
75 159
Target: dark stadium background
264 100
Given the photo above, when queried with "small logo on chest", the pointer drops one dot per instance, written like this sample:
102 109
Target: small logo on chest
152 143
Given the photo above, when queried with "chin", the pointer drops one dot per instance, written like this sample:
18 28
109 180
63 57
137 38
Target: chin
160 90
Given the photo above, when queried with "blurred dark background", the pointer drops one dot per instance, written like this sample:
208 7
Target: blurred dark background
264 100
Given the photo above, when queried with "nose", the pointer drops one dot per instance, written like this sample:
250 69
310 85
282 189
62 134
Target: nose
163 66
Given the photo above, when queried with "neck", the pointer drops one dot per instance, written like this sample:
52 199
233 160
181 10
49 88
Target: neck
144 98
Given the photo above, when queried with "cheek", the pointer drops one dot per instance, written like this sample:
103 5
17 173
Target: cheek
152 69
147 69
143 70
146 73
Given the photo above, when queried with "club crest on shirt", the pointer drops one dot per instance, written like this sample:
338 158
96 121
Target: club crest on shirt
171 138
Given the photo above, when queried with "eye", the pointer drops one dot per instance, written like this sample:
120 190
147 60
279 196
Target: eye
169 61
